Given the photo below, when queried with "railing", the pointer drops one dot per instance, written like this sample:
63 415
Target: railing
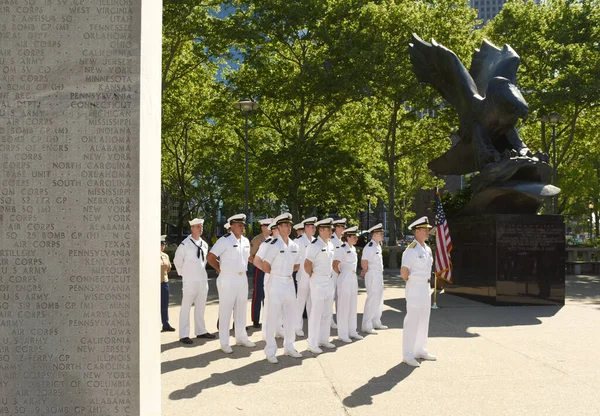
583 260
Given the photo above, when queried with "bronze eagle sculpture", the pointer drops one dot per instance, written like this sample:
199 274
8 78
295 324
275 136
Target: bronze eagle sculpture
512 179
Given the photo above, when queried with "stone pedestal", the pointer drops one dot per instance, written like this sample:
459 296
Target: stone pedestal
79 207
509 259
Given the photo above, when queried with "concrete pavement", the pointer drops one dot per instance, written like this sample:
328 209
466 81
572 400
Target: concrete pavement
491 361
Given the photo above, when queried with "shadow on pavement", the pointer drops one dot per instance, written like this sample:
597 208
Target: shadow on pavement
249 374
583 288
363 396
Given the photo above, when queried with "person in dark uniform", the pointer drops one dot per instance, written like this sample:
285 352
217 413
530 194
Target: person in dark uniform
258 294
165 267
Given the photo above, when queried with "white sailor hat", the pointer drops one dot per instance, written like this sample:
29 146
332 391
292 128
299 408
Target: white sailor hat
299 226
266 221
227 226
375 228
163 238
422 222
327 222
196 221
310 221
283 218
351 231
237 218
341 221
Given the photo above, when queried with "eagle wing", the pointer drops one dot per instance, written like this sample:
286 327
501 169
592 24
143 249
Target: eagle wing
489 61
440 67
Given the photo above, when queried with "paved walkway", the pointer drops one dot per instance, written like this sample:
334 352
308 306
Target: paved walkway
491 361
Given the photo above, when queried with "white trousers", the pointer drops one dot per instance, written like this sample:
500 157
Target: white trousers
374 302
233 299
319 321
193 292
281 294
302 299
347 292
416 322
335 296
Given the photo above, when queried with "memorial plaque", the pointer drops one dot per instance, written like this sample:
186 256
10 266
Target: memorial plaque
69 207
509 259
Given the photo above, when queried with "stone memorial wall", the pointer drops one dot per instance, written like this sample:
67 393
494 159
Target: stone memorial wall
69 207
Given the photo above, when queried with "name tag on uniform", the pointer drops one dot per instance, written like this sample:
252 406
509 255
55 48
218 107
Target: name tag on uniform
348 251
323 249
235 245
282 251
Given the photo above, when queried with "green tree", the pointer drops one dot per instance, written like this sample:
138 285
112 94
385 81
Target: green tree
560 62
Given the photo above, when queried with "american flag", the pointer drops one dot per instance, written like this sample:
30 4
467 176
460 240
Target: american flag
443 243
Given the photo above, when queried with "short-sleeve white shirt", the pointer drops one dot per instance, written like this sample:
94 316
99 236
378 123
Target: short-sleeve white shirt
282 257
418 260
320 254
347 257
190 263
232 253
373 254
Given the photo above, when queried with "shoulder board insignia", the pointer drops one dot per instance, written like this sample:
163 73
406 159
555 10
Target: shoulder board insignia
314 241
337 247
227 235
182 243
294 251
323 249
349 251
274 241
412 245
268 239
371 244
344 245
235 245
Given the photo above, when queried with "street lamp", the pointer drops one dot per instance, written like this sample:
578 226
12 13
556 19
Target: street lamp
553 119
246 106
368 210
591 207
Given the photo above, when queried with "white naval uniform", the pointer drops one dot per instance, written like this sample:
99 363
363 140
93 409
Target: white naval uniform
374 284
303 279
262 250
347 290
418 260
232 285
320 254
337 243
281 293
195 284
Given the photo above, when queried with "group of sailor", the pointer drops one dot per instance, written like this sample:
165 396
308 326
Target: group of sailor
294 278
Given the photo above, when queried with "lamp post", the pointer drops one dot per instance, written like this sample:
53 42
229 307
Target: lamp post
246 106
368 210
591 207
553 119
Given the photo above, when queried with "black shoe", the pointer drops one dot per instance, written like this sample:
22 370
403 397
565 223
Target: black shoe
186 340
207 335
168 328
256 325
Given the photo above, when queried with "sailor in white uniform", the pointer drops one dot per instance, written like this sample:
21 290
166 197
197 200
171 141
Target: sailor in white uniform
190 261
372 270
336 239
416 272
345 261
280 261
319 266
229 257
303 295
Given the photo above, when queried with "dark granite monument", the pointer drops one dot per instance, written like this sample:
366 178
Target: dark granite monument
503 253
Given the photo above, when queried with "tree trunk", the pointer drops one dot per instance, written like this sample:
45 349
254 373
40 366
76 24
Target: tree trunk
391 162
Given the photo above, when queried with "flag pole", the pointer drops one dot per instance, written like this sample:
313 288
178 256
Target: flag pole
435 306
